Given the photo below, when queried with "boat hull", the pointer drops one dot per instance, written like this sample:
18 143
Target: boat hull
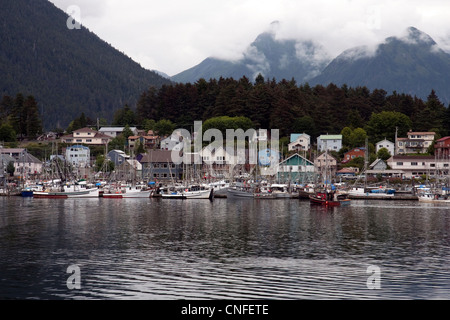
120 195
243 194
89 193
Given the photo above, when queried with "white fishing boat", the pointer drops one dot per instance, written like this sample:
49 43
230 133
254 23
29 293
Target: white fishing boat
191 192
80 189
127 191
430 197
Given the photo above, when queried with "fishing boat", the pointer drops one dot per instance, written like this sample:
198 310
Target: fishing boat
430 197
330 198
79 189
191 192
125 191
28 191
240 192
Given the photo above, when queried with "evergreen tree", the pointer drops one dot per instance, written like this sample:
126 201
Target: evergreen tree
33 124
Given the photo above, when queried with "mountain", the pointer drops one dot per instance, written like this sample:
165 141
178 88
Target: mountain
68 71
412 64
273 58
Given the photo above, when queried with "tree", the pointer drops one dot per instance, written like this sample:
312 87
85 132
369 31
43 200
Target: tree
103 164
384 124
124 116
305 124
346 136
126 133
18 116
33 124
10 168
383 154
139 148
7 133
164 127
358 137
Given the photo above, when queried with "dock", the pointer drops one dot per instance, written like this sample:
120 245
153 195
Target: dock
384 197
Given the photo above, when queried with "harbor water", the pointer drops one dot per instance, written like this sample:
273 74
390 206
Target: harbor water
159 249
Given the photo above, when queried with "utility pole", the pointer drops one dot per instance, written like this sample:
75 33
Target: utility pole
395 142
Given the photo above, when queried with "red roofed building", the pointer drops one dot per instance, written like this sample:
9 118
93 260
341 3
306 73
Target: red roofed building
442 148
354 153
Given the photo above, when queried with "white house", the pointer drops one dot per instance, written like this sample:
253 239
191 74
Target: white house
415 166
329 142
86 136
416 142
78 155
390 146
25 164
300 142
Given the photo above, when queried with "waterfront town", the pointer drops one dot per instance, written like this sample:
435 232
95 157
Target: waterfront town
147 158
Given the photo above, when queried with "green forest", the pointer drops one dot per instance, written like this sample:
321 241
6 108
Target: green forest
294 108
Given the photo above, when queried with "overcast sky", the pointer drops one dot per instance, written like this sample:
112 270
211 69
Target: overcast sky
174 35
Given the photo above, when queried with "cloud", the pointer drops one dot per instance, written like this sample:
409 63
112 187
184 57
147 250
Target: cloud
174 35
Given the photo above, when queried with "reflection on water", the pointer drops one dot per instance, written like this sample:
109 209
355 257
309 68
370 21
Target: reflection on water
224 249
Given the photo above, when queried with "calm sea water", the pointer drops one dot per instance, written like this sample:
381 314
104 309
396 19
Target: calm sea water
159 249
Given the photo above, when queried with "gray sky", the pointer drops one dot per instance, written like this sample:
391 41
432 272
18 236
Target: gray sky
174 35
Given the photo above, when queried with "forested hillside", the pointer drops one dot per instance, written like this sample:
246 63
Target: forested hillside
68 71
290 107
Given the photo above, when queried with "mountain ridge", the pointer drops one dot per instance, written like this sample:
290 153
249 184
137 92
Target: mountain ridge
411 63
67 71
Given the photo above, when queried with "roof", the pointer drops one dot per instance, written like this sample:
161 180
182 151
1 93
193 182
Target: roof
115 129
6 158
421 132
376 162
157 156
443 139
386 140
11 150
85 129
308 162
295 136
406 157
331 137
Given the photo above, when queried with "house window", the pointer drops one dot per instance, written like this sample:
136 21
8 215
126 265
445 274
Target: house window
432 165
77 133
399 163
414 163
79 140
88 140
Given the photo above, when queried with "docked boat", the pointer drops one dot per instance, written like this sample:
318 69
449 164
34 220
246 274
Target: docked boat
120 192
191 192
282 191
29 191
433 197
330 198
76 190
